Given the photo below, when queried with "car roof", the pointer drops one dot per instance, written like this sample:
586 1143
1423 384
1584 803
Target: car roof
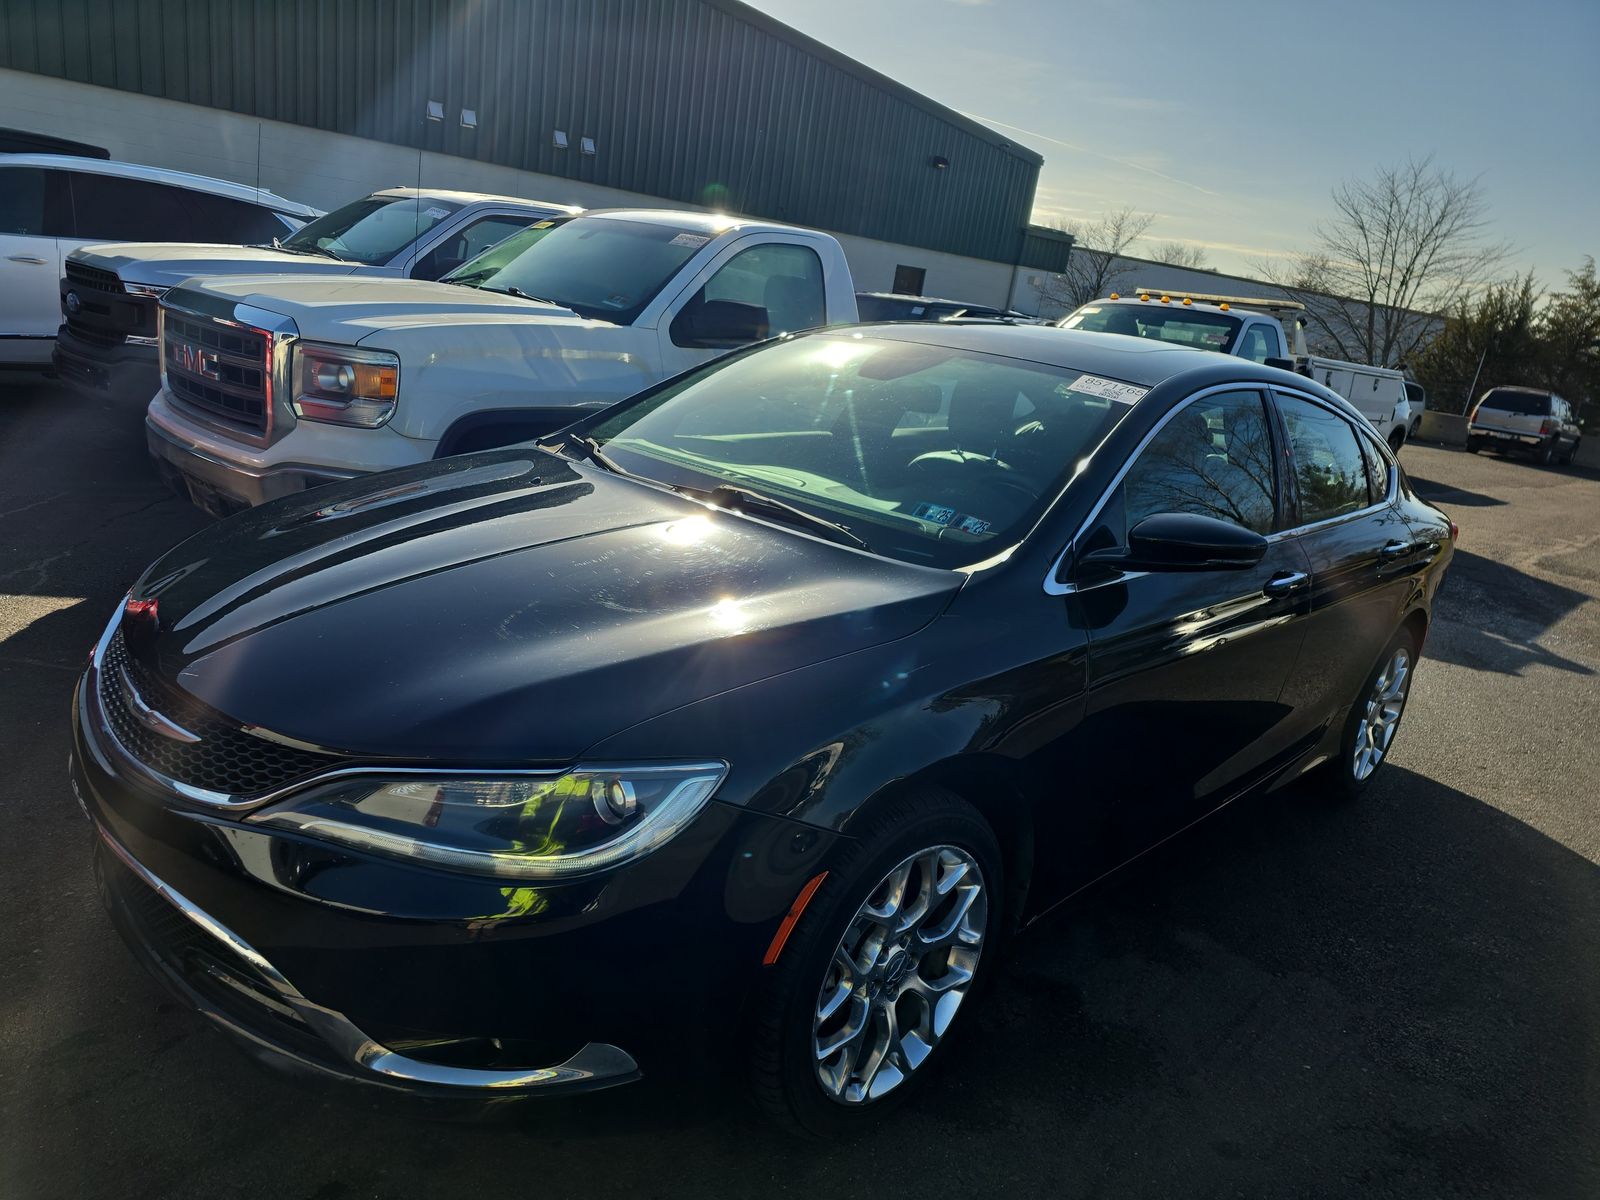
709 223
455 197
1519 387
910 299
181 179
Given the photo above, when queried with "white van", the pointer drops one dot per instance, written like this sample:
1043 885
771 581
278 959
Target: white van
1379 393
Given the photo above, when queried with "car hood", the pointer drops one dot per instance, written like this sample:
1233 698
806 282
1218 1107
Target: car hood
166 264
507 607
347 308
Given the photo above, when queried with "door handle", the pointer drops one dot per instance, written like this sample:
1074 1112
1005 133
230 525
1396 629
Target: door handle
26 258
1394 550
1285 583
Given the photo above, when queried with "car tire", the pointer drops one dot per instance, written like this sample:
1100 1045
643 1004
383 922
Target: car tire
1345 777
1571 454
1473 445
923 833
1547 454
1397 439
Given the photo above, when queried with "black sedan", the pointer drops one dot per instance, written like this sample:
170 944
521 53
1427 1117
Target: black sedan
787 690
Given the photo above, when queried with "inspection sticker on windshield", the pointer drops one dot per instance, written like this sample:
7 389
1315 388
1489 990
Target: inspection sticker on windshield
692 240
1108 389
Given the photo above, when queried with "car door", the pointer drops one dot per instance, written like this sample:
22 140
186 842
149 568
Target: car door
1186 668
745 294
1363 555
30 263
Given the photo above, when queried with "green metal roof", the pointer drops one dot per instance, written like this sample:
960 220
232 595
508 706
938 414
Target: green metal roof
702 101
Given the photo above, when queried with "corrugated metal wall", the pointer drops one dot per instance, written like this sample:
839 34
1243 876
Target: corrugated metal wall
703 101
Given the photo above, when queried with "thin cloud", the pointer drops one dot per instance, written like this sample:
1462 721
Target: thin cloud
1125 162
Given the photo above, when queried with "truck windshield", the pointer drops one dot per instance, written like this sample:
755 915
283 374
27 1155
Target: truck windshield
600 268
1190 327
875 434
370 231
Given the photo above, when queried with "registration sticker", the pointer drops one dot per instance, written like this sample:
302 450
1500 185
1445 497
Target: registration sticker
943 514
1108 389
692 240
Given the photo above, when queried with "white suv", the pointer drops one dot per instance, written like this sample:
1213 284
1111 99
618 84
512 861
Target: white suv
1529 420
50 204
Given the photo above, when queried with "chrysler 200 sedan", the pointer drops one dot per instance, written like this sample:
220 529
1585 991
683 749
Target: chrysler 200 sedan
750 715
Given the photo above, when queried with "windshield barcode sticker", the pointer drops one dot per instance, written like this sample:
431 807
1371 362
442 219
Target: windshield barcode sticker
438 214
692 240
1108 389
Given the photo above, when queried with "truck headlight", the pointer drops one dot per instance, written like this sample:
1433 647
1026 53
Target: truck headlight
344 385
555 825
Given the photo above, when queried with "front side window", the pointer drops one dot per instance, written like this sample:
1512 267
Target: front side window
928 454
1181 326
1213 458
371 230
1330 471
777 288
22 201
1377 471
467 243
1257 345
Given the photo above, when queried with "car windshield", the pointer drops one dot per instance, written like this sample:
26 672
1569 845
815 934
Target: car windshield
1180 326
475 271
925 453
602 268
372 230
1525 404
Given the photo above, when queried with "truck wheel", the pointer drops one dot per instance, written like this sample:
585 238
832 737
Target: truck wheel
1573 453
895 941
1547 454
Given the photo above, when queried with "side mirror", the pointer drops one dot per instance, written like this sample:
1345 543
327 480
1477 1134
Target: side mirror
1183 542
719 324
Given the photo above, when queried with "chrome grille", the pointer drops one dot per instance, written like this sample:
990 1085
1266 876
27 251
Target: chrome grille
226 759
219 368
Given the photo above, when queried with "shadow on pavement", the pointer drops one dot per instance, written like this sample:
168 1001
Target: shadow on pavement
1491 617
1448 496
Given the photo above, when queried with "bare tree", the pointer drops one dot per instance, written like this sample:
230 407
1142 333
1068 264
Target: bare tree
1096 262
1406 244
1176 254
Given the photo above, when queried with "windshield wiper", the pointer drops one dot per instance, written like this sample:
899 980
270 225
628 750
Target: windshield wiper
316 250
515 291
589 449
739 499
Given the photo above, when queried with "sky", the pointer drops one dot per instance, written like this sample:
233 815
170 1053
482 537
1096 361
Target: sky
1232 123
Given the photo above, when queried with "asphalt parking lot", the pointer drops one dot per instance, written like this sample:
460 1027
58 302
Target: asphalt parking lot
1400 998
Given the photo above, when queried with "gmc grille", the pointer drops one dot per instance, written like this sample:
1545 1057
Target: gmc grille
218 368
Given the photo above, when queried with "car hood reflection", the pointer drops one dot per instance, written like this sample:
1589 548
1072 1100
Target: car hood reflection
505 607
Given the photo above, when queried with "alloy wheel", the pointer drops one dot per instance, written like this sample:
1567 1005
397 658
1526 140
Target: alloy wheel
1382 715
899 973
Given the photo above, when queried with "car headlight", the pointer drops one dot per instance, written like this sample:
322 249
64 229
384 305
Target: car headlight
555 825
344 385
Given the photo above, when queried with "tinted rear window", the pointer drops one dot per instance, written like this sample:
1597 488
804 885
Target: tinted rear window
1527 404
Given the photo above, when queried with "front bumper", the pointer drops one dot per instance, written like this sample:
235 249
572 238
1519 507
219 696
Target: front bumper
424 982
122 370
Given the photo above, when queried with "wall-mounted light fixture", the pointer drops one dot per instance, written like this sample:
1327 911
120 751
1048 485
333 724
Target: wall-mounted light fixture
587 145
469 118
938 162
558 139
435 110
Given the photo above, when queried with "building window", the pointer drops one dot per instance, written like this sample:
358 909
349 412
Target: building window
908 280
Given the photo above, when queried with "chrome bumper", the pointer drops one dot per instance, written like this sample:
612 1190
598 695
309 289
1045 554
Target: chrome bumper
596 1065
206 477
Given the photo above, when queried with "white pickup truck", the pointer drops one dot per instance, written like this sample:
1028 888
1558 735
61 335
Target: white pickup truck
108 298
1251 328
271 384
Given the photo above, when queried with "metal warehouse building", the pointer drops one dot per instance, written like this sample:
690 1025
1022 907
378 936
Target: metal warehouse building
704 103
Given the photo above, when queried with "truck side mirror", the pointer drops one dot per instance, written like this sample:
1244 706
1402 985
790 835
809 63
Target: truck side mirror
719 324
